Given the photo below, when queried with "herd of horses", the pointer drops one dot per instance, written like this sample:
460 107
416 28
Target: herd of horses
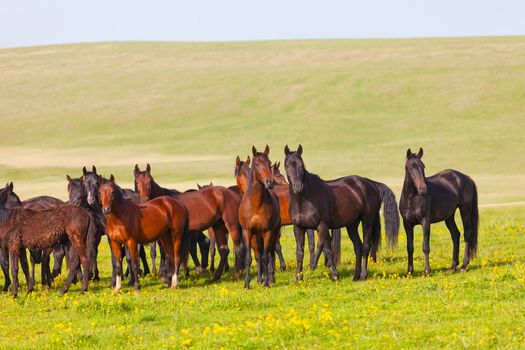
250 214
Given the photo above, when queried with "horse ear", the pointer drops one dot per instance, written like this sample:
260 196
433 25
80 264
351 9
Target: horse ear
409 153
94 169
10 186
286 150
248 161
112 178
420 153
277 164
68 178
238 161
254 150
100 180
84 171
266 150
300 150
148 168
211 183
136 171
199 186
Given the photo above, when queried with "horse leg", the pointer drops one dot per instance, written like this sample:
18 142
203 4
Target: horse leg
174 249
257 246
221 237
128 272
153 255
163 268
358 247
368 227
455 234
274 239
135 262
246 235
25 268
299 251
166 242
144 260
426 244
14 255
204 247
326 240
336 245
279 251
33 263
409 229
116 249
211 235
318 251
311 246
265 260
46 270
59 253
4 261
193 250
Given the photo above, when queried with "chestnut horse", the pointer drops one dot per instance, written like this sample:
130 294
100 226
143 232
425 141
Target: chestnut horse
259 215
129 223
426 200
91 184
22 228
242 174
215 207
344 202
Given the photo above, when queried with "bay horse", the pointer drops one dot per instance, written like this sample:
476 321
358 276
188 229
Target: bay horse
242 175
196 239
215 207
427 200
259 215
344 202
37 256
22 228
129 223
91 184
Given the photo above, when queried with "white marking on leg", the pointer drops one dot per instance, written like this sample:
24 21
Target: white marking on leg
174 280
118 284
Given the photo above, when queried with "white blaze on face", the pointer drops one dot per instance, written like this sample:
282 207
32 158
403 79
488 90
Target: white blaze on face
174 281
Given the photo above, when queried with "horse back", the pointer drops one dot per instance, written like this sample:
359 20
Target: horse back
41 203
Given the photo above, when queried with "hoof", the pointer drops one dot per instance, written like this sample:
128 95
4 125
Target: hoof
299 277
428 273
452 270
282 268
464 269
116 291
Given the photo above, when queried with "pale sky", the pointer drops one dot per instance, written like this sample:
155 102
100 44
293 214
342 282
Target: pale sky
42 22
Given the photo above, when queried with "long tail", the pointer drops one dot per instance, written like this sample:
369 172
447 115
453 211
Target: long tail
390 213
472 237
186 241
91 241
376 238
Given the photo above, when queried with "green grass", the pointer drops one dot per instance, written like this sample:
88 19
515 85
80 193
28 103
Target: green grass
478 309
355 105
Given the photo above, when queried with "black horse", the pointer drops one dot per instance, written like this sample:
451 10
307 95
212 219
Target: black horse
426 200
344 202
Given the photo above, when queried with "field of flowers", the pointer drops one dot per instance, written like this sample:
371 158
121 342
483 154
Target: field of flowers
484 307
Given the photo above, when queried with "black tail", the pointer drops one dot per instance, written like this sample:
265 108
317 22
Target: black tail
91 241
376 238
472 237
390 213
186 240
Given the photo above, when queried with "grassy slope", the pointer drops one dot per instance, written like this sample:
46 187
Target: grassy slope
482 308
355 105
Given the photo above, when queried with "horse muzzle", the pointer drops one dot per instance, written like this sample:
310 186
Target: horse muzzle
297 188
422 190
91 199
269 184
106 210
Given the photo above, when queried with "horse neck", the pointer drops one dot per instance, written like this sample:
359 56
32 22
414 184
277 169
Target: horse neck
5 213
409 189
256 191
157 191
121 207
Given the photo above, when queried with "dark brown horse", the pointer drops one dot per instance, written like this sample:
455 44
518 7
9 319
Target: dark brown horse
344 202
41 229
129 223
215 207
37 256
426 200
260 218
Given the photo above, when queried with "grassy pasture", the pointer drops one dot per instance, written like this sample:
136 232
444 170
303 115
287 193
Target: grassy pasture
355 105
